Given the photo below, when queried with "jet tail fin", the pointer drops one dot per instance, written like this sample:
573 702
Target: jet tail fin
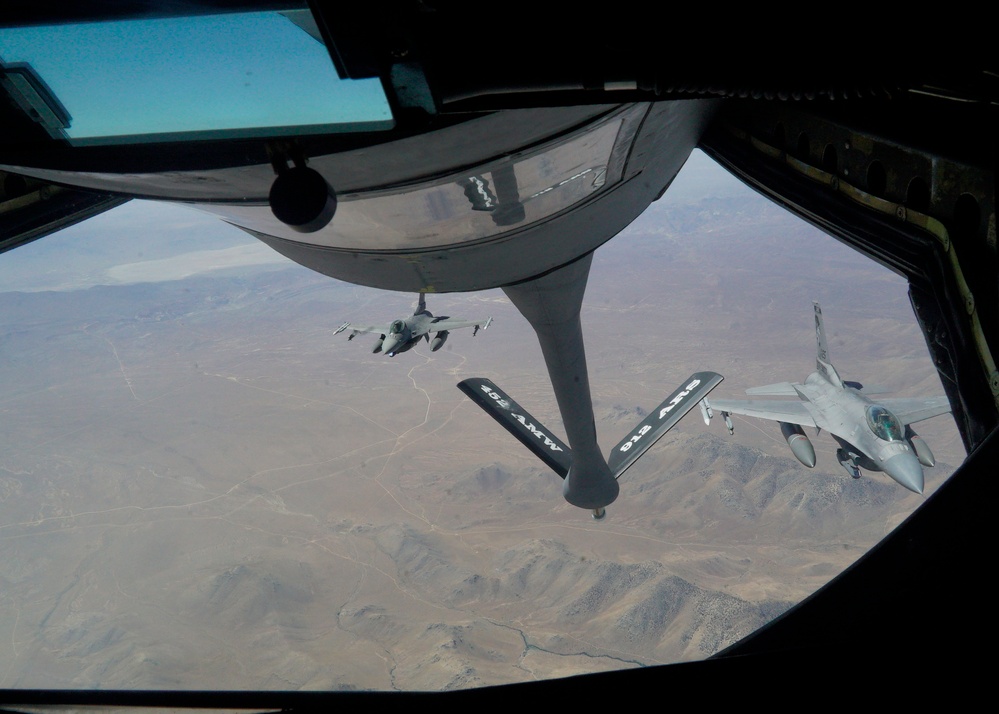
661 420
516 420
820 336
822 363
422 304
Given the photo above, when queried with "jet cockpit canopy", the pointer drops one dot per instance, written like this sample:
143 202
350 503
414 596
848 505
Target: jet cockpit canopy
884 424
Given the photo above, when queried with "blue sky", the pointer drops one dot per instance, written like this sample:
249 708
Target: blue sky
236 71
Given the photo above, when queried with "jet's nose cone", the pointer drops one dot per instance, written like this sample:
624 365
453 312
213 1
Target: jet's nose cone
389 345
905 469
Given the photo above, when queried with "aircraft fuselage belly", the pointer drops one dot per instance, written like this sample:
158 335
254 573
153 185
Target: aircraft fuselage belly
526 242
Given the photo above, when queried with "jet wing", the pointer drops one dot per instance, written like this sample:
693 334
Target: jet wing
379 329
772 409
455 324
914 409
781 389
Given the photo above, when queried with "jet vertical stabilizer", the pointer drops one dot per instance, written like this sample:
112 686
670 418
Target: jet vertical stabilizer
822 363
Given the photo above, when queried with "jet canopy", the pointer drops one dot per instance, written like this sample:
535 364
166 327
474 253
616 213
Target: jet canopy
884 424
397 327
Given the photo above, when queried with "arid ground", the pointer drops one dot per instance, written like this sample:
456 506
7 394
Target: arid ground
202 488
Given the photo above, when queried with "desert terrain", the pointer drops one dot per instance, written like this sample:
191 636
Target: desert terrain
202 488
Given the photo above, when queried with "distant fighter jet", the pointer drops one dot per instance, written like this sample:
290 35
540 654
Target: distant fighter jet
871 435
403 335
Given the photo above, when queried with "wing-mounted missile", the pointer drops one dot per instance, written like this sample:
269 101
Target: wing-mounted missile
706 412
475 330
340 329
921 448
801 447
515 419
439 339
661 420
378 345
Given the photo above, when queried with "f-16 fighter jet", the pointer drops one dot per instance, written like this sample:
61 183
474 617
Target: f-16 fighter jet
404 334
874 435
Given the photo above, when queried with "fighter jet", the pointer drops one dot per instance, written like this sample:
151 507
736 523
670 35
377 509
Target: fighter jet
403 335
876 436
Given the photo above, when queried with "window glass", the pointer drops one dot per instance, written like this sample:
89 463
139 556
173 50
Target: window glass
237 74
885 424
481 202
